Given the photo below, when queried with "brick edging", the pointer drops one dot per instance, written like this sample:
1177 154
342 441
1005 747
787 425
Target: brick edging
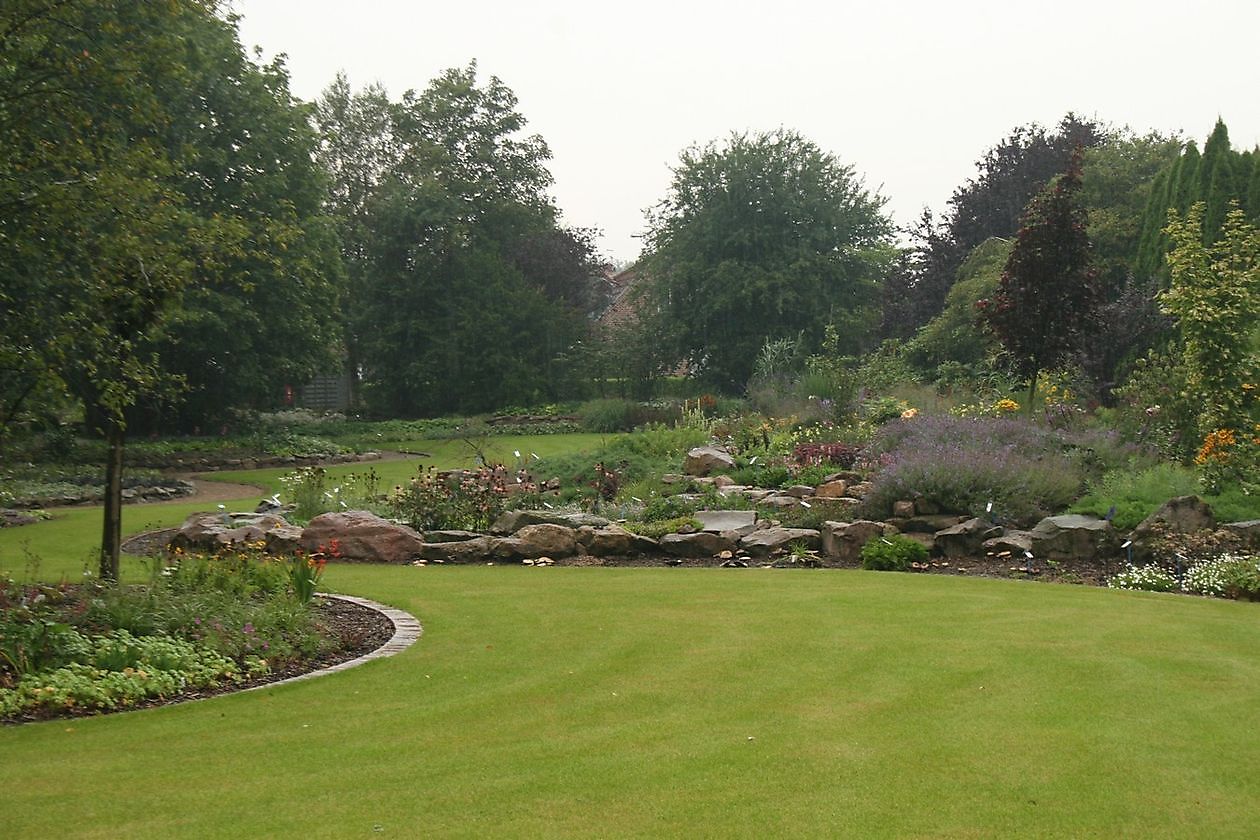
406 631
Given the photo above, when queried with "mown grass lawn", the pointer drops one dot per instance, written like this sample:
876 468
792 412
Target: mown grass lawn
649 702
443 454
674 702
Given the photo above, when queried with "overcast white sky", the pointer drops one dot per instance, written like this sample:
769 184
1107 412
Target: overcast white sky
910 93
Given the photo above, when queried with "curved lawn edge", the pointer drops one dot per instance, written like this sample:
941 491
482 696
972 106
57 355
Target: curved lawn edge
407 630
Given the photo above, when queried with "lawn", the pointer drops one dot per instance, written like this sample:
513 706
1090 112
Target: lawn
706 702
443 454
598 702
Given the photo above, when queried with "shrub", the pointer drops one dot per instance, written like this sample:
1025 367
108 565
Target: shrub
1227 576
1136 493
463 500
609 415
758 475
661 508
892 554
1145 578
962 464
661 527
837 454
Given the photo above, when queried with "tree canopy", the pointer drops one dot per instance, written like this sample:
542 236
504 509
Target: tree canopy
1047 297
760 237
467 293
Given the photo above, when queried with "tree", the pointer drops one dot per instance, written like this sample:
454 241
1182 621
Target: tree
265 313
1217 176
145 165
98 237
470 294
989 205
1215 298
1047 297
763 237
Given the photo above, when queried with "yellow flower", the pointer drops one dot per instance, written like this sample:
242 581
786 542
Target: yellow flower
1007 405
910 412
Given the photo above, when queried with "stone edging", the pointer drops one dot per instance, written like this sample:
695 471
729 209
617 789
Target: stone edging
406 631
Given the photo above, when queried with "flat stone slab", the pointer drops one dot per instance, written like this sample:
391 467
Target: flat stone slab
719 521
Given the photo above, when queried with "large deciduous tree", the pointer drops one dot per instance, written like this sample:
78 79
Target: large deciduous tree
142 162
764 236
1047 298
469 295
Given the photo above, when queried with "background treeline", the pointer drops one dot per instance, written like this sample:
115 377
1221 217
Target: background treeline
182 238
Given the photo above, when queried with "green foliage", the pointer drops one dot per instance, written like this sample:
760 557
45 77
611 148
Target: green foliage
1047 298
1155 407
466 293
310 489
770 476
761 237
892 554
1215 297
955 336
463 499
658 528
608 415
1135 494
80 686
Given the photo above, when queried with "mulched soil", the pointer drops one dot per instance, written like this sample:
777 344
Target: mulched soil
358 630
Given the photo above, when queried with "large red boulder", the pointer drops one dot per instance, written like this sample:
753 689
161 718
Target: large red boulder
361 537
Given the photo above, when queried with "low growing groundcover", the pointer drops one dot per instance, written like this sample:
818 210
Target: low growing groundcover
623 702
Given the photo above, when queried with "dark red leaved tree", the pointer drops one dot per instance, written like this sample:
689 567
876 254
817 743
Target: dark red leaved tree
1047 300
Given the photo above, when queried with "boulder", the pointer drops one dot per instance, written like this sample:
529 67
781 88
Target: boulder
1014 543
903 509
723 521
509 522
768 540
924 506
546 540
363 537
1182 515
721 482
452 535
848 476
844 540
14 518
832 489
214 531
613 541
927 524
1073 537
703 460
699 544
966 538
780 500
1249 531
800 491
756 494
860 490
478 549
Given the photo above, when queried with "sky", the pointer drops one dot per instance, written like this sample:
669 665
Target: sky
911 94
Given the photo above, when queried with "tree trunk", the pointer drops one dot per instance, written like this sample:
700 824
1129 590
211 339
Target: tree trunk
111 535
1032 393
